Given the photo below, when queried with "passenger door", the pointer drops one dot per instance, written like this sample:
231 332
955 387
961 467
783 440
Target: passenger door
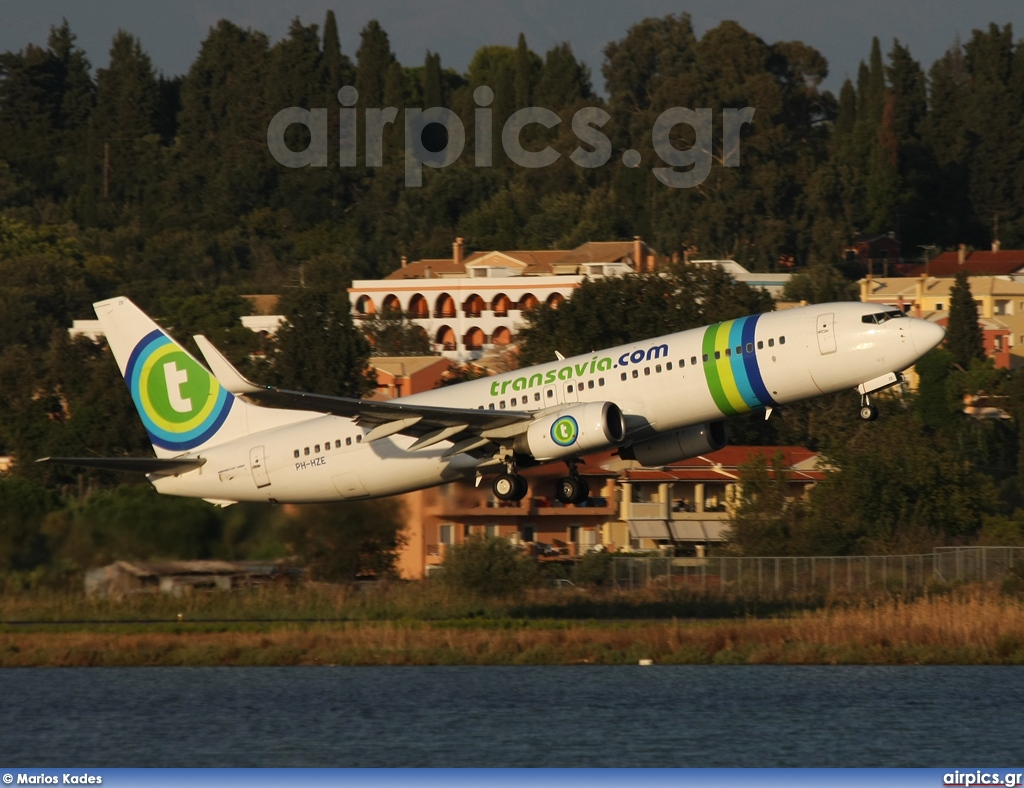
258 464
826 333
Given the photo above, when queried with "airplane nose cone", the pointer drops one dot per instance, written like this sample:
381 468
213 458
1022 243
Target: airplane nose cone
925 335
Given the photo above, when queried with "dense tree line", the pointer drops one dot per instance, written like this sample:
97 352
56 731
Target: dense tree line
123 180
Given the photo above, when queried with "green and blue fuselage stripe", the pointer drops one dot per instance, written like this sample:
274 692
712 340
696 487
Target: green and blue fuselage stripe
734 378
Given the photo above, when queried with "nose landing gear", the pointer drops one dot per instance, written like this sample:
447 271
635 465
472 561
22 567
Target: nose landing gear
868 412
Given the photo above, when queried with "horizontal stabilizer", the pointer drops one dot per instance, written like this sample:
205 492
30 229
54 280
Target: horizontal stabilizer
161 466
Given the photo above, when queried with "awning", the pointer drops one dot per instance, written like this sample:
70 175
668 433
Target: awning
699 530
648 529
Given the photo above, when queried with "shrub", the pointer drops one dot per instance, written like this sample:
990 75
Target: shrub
487 566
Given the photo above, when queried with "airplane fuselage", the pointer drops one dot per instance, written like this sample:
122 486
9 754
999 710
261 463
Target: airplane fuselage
661 384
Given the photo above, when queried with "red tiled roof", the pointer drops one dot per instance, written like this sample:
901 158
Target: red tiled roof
1001 263
418 270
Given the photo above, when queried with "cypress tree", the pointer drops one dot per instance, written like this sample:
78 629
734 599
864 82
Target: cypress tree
522 75
433 95
964 337
337 66
372 62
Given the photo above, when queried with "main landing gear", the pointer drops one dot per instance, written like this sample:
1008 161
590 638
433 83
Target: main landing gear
868 412
571 488
509 486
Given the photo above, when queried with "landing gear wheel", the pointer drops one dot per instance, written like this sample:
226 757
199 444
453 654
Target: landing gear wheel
868 412
509 487
572 489
568 489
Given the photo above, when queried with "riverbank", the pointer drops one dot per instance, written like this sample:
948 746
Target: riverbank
969 627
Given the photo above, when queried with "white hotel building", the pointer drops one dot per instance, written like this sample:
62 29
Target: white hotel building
468 305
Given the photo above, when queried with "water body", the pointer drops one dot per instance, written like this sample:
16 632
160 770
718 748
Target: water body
512 716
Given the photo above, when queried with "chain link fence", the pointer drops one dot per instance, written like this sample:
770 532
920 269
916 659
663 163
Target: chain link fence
785 575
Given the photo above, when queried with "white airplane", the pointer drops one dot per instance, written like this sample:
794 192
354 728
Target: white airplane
220 437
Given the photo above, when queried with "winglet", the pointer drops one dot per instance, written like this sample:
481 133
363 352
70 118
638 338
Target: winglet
229 377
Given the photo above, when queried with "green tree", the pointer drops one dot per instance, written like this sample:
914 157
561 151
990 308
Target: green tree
105 527
964 337
337 66
373 58
127 100
23 505
223 171
319 349
343 541
767 520
433 90
392 333
564 80
488 566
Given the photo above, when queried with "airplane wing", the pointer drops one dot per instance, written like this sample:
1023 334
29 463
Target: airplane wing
430 424
171 466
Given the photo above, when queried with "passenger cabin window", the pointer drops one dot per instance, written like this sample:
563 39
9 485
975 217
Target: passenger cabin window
782 340
296 452
348 441
771 343
760 344
306 451
693 360
337 444
750 347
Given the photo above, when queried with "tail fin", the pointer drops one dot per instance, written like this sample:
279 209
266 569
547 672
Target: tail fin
182 406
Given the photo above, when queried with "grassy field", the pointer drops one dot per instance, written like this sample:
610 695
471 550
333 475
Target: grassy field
407 625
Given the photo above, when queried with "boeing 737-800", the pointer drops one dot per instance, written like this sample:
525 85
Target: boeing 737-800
220 437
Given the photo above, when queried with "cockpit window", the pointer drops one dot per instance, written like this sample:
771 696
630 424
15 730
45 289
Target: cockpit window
881 317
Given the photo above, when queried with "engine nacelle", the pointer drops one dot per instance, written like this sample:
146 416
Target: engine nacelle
576 429
678 444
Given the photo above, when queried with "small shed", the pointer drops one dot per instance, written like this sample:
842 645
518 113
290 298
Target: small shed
180 577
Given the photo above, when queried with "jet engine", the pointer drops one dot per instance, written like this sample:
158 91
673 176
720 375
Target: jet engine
575 430
677 445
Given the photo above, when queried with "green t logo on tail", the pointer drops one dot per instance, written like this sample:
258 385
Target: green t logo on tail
181 404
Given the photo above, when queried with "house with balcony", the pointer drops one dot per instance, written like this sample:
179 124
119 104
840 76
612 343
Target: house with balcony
689 505
686 507
440 517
